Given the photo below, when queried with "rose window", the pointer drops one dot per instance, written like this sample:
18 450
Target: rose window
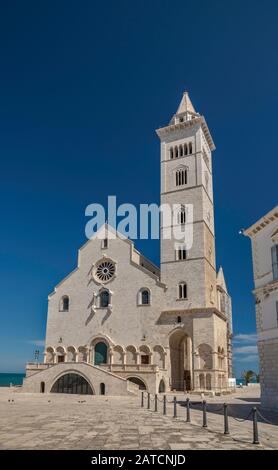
105 270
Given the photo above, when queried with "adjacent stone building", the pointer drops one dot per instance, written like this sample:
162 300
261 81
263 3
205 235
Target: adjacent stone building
264 238
118 322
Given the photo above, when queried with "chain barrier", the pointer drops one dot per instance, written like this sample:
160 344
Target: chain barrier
241 420
265 419
216 410
161 401
189 404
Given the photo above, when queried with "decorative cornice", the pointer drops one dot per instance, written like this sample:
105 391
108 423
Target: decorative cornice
263 222
266 289
210 310
164 131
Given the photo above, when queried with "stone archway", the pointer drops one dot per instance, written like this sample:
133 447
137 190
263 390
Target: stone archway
72 383
180 357
137 381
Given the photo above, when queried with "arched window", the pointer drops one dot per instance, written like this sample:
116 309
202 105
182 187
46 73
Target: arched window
145 354
181 177
181 253
171 153
181 150
102 388
100 353
64 303
182 294
185 149
190 147
144 296
176 152
61 354
42 388
181 216
104 299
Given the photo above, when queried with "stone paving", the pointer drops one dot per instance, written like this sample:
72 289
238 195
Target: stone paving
34 421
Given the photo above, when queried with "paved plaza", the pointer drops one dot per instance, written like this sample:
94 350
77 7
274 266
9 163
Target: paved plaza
36 421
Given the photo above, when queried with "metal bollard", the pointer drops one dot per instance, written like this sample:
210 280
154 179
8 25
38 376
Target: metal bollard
188 420
142 399
226 423
255 426
175 407
155 402
205 424
164 405
149 401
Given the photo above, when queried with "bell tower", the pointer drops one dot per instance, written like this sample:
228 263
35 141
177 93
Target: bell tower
186 180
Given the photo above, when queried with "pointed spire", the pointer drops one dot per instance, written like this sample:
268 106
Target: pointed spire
185 104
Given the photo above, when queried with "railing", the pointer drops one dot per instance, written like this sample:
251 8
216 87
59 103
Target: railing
39 365
147 399
130 367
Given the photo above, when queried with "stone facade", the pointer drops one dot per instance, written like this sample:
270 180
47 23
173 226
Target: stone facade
264 238
120 313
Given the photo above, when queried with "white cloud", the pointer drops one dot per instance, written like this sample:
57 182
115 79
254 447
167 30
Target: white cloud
36 342
245 338
248 358
246 350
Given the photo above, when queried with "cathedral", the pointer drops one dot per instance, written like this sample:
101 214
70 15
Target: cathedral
117 323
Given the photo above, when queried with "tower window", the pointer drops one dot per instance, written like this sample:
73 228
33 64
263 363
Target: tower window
181 253
190 147
176 152
181 216
179 319
171 153
104 299
185 149
64 303
181 177
105 243
182 290
181 150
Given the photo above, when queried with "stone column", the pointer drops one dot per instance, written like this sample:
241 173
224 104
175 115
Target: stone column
138 355
89 355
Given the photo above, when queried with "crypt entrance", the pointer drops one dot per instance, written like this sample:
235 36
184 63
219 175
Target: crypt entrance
181 361
72 383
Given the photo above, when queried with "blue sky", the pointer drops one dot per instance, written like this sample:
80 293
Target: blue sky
83 86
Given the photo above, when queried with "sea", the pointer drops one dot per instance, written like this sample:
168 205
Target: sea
17 379
7 378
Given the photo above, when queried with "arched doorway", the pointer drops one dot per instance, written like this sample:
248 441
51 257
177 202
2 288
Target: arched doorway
100 353
180 357
161 388
137 381
72 383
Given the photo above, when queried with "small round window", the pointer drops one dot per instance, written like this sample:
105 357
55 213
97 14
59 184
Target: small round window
104 270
